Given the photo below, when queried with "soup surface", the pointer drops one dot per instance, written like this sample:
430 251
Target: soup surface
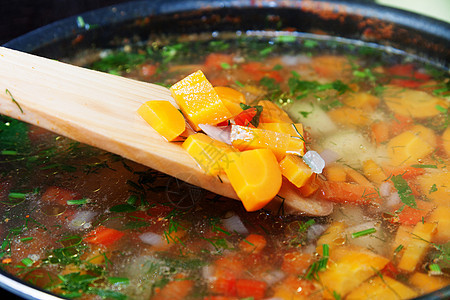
83 223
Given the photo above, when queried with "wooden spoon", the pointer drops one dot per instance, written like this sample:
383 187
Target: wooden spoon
99 109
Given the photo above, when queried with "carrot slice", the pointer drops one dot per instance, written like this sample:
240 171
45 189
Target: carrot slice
249 288
199 101
295 170
255 176
231 98
247 138
164 118
253 243
272 113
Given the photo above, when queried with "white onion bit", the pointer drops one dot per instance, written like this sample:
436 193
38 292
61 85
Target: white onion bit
314 161
222 134
329 156
82 219
152 238
234 224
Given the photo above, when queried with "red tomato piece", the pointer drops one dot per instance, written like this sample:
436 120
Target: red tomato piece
390 270
245 117
344 192
103 236
251 288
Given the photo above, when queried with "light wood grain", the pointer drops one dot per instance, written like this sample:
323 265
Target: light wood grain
99 109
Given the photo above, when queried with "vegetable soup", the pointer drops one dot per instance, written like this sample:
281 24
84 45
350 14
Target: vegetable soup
358 142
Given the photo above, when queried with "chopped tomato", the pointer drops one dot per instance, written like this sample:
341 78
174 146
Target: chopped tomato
250 288
296 263
59 195
225 286
245 117
390 270
406 76
407 172
216 60
103 236
148 70
412 216
254 243
344 192
175 290
258 71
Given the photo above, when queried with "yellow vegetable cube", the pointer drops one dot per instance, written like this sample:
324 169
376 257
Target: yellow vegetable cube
373 171
255 176
417 246
247 138
436 186
231 98
199 101
164 118
361 100
440 216
295 130
351 269
334 236
407 148
272 113
384 288
210 154
428 284
295 170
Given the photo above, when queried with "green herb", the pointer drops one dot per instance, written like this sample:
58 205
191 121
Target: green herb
28 262
285 38
14 100
26 239
310 44
435 269
266 51
238 83
404 191
424 166
336 296
123 208
441 108
433 189
398 249
78 201
225 66
363 232
118 280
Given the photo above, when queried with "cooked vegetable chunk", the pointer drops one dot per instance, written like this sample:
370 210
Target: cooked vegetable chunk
164 118
255 176
199 101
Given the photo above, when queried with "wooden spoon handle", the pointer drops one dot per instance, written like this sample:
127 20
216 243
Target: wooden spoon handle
99 109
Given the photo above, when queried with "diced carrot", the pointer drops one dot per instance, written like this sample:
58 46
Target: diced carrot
175 290
255 176
253 243
295 170
344 192
247 138
217 60
295 288
349 116
164 118
335 172
412 216
310 187
231 98
400 123
296 263
210 154
407 148
251 288
295 131
331 66
103 236
199 101
272 113
364 101
380 132
245 117
373 171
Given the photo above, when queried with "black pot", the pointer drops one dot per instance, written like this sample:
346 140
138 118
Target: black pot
423 37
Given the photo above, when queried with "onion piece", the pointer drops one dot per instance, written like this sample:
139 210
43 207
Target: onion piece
234 224
314 161
222 134
329 156
152 238
82 219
